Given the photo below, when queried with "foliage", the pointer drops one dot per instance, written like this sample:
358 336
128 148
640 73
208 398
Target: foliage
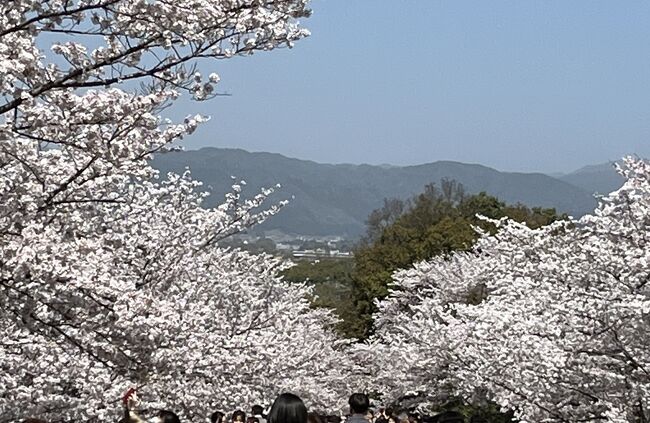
437 222
332 283
563 332
337 199
319 272
111 276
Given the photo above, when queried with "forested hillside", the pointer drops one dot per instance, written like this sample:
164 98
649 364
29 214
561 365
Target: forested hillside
336 199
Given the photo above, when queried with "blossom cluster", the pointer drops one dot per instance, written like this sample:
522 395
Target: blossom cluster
552 323
111 275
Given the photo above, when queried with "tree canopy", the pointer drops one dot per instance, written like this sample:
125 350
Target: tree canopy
436 222
111 275
562 333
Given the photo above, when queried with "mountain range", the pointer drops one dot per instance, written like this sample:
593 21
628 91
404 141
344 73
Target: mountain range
335 199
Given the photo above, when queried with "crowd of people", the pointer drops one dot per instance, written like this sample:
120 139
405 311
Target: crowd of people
289 408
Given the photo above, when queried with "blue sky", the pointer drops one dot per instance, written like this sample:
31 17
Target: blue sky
517 85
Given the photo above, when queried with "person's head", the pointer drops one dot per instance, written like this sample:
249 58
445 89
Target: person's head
313 418
288 408
239 416
217 417
252 419
450 417
132 418
359 403
257 410
166 416
392 419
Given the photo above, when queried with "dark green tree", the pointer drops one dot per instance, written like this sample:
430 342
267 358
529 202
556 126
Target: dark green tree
436 222
332 282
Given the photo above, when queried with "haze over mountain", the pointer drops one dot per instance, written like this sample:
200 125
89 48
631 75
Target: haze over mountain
336 199
597 179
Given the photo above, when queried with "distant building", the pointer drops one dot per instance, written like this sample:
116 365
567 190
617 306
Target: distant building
320 253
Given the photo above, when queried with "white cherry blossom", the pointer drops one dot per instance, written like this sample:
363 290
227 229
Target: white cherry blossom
562 331
111 276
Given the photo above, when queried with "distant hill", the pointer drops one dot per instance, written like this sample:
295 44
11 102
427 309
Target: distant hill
336 199
596 179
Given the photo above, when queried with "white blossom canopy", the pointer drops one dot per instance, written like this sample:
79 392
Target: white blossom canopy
562 328
111 276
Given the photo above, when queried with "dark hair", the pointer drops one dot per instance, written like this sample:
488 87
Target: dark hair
238 413
252 419
288 408
217 417
359 403
450 417
167 416
313 418
257 410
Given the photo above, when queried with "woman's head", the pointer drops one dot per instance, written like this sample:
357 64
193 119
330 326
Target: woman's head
239 416
288 408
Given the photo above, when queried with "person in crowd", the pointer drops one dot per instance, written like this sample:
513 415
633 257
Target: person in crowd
359 405
130 401
166 416
252 419
287 408
217 417
382 417
370 416
258 412
238 417
333 419
313 418
392 419
132 418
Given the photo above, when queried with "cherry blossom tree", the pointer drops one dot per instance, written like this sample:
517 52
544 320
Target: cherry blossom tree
553 323
111 276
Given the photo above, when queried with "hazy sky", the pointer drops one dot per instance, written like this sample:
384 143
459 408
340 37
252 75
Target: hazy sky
517 85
